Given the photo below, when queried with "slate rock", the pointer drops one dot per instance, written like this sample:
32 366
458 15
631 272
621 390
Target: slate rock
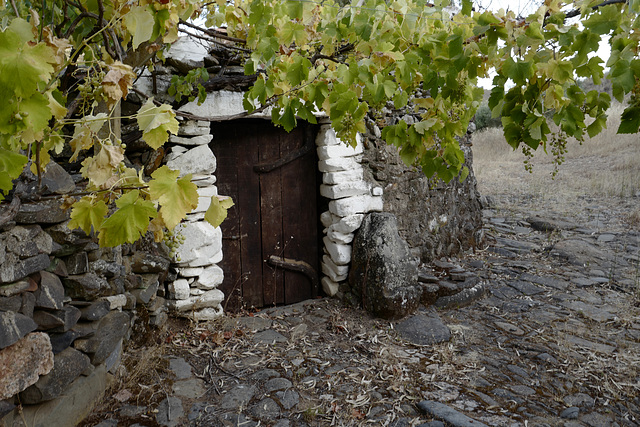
14 326
462 298
106 268
110 330
50 293
145 294
570 413
447 414
23 362
424 329
266 409
169 412
61 341
579 252
19 287
144 262
288 399
77 263
525 287
6 406
68 365
95 311
548 224
383 273
28 304
42 212
276 384
67 238
11 303
85 286
269 336
550 282
180 368
14 271
238 397
57 180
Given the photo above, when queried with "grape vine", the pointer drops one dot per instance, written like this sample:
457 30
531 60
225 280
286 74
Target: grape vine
77 60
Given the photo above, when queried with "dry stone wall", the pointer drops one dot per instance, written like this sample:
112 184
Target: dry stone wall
67 308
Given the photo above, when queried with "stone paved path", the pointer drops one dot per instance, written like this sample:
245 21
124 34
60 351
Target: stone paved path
540 328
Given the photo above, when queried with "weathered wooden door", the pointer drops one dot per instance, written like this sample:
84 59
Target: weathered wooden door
270 237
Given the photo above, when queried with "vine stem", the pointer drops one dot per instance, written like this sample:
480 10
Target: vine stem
15 8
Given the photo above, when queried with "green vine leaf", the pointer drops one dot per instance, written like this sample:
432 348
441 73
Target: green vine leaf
177 197
217 211
129 222
88 214
155 122
11 166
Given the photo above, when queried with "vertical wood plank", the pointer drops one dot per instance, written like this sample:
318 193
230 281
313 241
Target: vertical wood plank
227 174
271 214
300 215
247 155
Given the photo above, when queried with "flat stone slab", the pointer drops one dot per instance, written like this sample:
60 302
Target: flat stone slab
447 414
269 336
424 329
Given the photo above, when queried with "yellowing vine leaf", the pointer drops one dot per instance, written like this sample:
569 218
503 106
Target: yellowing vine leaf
88 214
129 222
177 197
217 211
99 168
155 122
85 133
11 165
139 22
117 81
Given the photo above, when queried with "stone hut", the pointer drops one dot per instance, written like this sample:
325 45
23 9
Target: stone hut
68 307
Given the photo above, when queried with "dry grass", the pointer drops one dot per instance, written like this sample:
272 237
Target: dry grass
606 165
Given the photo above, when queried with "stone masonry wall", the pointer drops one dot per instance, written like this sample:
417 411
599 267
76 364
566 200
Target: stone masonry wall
67 308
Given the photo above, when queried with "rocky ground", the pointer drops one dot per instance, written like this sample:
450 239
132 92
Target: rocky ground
538 328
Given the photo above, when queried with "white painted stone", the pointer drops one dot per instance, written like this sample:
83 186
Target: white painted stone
188 51
337 237
197 235
191 140
344 189
194 128
219 104
209 299
197 160
210 278
205 260
329 286
176 151
336 273
340 164
204 198
348 224
207 314
203 180
327 218
355 205
340 150
195 217
116 302
332 178
179 289
190 271
196 292
340 254
145 85
377 191
327 137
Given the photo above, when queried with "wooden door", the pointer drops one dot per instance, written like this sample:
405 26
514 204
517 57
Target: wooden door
270 237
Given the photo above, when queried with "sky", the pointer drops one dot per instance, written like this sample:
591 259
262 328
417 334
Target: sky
525 7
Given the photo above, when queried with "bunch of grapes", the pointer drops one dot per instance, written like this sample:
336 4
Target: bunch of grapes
173 241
